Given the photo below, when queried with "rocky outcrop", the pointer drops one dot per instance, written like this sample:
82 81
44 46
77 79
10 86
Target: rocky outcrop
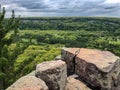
86 69
28 83
54 73
99 69
50 75
74 84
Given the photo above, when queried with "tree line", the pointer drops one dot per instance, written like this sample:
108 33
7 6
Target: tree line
72 23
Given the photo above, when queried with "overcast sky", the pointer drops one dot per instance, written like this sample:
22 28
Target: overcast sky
110 8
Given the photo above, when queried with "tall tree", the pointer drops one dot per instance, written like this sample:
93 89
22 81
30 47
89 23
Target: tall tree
6 25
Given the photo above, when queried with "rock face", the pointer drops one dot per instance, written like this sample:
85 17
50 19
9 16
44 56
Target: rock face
74 84
28 83
100 69
54 73
69 59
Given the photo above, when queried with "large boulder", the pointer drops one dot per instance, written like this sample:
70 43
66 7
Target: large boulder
100 69
28 83
54 73
74 84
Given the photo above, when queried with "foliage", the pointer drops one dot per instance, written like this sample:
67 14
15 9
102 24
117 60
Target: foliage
83 38
6 25
26 62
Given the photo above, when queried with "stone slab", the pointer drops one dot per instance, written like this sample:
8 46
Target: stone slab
54 73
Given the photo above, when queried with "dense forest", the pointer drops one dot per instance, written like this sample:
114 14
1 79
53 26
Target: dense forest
91 32
41 39
72 23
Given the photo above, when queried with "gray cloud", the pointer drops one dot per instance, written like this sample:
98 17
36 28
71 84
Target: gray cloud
64 7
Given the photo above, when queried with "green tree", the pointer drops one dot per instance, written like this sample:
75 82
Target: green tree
6 25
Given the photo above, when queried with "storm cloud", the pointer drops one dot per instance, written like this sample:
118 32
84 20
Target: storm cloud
110 8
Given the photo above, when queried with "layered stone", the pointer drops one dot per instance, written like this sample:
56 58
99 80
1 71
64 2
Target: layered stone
100 69
54 73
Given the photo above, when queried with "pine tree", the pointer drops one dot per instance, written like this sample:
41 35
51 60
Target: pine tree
6 25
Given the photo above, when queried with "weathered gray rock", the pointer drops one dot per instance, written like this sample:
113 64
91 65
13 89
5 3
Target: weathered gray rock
28 83
100 69
54 73
74 84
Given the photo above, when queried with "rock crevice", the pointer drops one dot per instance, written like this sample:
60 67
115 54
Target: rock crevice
99 69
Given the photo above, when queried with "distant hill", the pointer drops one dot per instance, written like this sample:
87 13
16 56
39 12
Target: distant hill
71 23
